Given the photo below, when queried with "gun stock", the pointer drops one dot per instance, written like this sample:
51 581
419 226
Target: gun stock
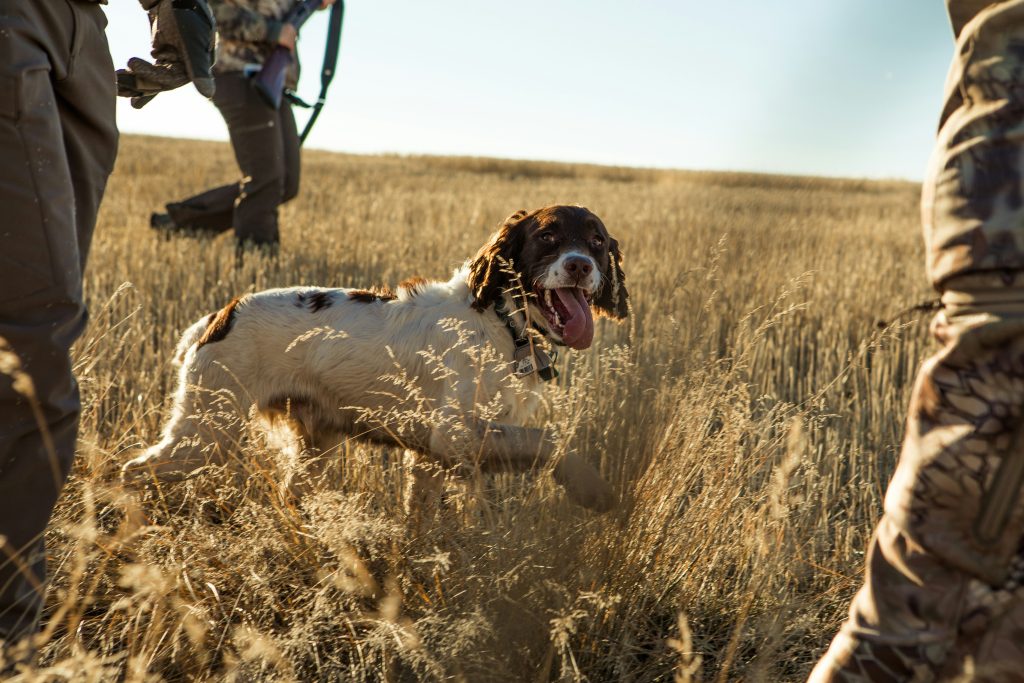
269 82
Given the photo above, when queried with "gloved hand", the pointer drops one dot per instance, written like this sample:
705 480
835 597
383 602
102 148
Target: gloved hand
183 51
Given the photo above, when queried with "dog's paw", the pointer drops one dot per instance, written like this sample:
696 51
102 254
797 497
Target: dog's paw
583 484
149 465
139 469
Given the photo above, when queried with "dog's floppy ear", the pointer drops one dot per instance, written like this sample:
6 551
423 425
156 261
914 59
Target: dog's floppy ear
488 271
613 299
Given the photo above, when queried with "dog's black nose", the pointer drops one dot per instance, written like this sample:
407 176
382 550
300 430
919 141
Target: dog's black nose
578 266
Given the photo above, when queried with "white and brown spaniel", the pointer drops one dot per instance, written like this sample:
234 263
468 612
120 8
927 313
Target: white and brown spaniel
409 368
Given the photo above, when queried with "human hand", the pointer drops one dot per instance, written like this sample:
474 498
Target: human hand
183 51
326 3
288 36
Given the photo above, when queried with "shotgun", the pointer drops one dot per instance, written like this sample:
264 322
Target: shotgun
269 82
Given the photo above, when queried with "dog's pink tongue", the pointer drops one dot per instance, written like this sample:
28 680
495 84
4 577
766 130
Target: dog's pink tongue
579 328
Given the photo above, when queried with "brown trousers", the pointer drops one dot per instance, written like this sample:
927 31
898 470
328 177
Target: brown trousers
58 140
943 594
266 145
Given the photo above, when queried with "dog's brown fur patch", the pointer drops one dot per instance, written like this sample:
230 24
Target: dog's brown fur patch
414 285
319 301
314 301
368 296
219 324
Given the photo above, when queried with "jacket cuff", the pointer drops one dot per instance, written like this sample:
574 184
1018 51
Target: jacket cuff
274 30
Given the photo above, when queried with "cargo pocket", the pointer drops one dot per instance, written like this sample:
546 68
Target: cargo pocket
35 188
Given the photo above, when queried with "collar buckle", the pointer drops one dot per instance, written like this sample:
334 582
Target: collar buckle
528 357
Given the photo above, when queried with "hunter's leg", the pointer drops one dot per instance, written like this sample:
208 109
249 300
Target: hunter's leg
953 513
213 211
291 151
259 148
58 140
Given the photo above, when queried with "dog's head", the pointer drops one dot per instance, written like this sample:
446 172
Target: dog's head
568 265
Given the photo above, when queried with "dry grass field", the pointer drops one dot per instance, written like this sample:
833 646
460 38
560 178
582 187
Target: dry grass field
748 415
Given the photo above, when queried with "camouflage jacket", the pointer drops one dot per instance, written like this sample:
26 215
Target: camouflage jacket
247 33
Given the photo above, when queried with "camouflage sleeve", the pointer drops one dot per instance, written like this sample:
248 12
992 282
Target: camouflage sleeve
239 23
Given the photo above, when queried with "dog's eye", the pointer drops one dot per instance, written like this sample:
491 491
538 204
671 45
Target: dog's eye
597 241
548 237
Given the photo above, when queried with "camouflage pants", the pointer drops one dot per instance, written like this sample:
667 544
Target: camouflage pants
942 597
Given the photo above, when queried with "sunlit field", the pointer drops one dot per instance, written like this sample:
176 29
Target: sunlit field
748 415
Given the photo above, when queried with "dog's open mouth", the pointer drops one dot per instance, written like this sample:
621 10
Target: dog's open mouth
567 311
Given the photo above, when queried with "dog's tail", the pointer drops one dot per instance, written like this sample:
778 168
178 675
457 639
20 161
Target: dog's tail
191 337
212 328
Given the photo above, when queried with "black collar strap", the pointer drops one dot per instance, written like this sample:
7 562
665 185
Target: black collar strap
528 357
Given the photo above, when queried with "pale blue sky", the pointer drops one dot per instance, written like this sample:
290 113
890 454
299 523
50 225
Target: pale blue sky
822 87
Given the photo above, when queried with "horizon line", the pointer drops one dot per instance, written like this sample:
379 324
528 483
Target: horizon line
578 162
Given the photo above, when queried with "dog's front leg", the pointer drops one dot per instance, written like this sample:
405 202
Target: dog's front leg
502 447
422 489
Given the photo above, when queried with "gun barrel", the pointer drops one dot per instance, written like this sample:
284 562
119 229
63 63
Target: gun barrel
269 82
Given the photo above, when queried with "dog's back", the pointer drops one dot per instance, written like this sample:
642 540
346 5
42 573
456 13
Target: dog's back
336 361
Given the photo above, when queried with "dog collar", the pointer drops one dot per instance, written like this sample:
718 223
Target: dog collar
528 357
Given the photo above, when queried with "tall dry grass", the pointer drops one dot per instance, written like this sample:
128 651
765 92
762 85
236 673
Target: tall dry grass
749 415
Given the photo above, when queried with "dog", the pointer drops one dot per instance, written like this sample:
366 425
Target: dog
404 368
